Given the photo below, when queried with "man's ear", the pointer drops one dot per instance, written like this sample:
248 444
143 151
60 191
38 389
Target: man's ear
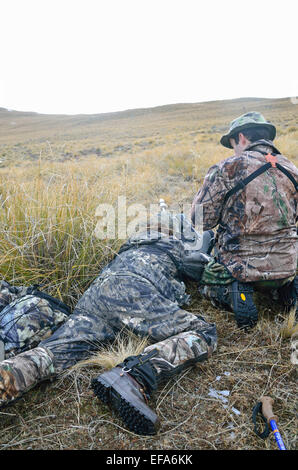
242 139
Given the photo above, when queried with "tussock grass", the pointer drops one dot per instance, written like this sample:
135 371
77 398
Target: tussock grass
47 231
126 344
290 328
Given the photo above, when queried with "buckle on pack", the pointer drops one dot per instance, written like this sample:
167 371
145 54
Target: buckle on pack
138 360
271 159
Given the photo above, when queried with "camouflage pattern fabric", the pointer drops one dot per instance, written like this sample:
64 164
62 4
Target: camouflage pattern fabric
274 284
140 290
256 239
246 121
219 295
25 321
9 293
216 274
20 373
185 349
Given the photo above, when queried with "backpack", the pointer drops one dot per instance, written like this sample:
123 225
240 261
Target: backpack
27 316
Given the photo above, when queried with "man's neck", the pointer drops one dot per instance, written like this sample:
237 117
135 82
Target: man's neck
266 145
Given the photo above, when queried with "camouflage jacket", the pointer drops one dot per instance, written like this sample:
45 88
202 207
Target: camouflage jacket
156 263
256 238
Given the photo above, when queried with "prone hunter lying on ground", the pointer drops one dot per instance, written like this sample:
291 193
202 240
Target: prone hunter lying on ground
141 289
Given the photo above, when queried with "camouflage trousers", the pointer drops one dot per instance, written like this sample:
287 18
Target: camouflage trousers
216 274
22 372
221 295
116 302
107 307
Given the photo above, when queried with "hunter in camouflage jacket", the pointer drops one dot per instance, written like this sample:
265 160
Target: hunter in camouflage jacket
256 238
141 290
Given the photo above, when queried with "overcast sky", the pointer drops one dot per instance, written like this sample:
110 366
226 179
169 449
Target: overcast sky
93 56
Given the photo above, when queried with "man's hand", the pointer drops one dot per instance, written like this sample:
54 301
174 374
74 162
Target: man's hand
193 263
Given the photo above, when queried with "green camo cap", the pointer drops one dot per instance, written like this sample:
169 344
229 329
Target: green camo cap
246 121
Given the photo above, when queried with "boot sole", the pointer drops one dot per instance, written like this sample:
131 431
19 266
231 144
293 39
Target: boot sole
244 308
133 418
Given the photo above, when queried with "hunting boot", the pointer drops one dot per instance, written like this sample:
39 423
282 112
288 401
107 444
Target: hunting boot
128 387
288 295
236 297
245 311
22 372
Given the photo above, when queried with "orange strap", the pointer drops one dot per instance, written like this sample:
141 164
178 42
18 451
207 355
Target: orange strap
271 159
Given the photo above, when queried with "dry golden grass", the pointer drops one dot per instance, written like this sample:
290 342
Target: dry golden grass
290 328
125 344
55 170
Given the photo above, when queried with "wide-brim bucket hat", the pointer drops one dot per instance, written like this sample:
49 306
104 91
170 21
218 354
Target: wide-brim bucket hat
246 121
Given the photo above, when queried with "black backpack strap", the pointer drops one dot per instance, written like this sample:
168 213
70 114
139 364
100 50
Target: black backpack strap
288 174
272 163
245 181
